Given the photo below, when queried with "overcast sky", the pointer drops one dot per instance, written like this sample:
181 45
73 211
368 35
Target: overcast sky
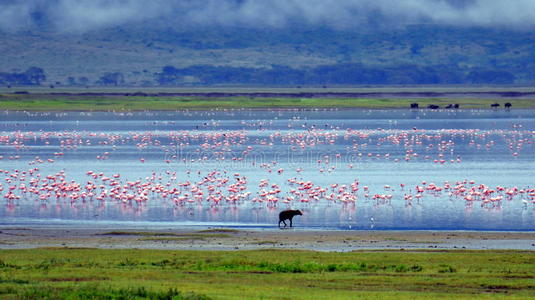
87 15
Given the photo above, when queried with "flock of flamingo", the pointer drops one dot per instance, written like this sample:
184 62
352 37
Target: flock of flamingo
218 187
203 166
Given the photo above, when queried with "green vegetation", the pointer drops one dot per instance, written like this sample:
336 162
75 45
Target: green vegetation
88 292
266 242
55 273
134 103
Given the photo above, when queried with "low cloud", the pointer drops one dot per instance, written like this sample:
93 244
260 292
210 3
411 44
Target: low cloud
87 15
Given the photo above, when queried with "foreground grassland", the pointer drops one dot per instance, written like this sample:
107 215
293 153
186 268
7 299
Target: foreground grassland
132 103
265 274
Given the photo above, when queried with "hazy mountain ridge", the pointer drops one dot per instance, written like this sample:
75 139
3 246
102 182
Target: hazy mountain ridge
419 54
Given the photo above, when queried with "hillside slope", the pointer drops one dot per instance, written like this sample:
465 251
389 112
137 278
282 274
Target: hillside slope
422 54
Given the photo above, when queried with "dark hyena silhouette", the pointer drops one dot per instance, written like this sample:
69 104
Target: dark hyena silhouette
288 215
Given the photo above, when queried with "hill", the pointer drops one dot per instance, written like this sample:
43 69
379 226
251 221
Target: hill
153 56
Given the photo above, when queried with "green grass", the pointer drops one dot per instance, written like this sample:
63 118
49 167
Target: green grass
36 102
88 292
265 243
266 274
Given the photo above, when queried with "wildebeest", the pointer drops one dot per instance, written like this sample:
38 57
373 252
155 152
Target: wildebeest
452 106
414 105
433 106
508 105
288 215
495 105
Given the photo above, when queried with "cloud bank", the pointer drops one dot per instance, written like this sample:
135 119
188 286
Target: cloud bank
87 15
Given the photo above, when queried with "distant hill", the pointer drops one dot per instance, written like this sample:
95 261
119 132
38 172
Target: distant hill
134 56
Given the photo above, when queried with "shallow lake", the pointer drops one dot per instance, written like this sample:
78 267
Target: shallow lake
344 169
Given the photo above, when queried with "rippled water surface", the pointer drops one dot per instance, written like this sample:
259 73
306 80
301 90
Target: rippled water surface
348 169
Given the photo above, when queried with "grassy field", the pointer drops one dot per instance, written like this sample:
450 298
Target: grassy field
132 103
265 274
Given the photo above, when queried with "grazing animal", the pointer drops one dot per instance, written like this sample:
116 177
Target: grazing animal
508 105
414 105
456 105
288 215
495 105
449 106
433 106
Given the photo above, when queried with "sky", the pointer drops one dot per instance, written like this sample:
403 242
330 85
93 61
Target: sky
79 16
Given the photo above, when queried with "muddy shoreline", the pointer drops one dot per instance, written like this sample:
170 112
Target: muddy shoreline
250 239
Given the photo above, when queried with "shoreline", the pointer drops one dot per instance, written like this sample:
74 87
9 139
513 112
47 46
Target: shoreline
216 238
130 102
274 108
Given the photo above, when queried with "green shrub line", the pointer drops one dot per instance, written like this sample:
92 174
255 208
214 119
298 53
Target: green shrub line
241 265
244 265
208 264
299 267
90 292
129 103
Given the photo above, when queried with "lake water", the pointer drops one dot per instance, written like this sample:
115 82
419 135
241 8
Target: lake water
344 169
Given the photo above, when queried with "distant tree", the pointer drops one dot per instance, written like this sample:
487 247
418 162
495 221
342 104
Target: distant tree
71 80
343 73
168 76
416 49
32 76
35 75
169 70
83 80
111 79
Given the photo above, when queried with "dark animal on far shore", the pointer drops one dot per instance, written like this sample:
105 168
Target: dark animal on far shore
495 105
452 106
288 215
414 105
433 106
508 105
